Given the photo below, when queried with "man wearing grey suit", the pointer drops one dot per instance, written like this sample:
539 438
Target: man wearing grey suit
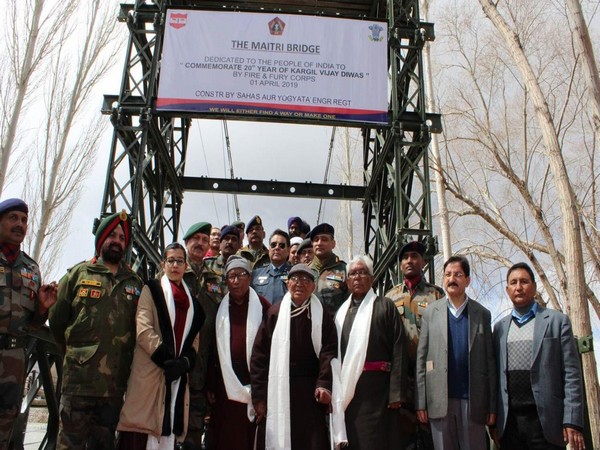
540 389
456 367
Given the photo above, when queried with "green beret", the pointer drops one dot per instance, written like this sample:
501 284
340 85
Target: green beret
108 224
200 227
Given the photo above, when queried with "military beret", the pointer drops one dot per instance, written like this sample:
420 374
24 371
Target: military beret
302 268
229 229
298 220
322 228
305 228
237 262
200 227
13 204
108 224
296 240
256 220
238 224
413 246
306 243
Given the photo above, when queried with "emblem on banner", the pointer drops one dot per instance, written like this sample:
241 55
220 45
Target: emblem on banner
376 30
276 26
178 20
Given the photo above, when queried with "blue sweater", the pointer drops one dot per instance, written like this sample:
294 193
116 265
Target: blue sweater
458 355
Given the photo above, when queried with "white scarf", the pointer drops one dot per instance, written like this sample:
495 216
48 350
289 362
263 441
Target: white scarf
356 350
235 390
278 391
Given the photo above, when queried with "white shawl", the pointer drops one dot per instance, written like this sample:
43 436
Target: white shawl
278 434
235 390
356 351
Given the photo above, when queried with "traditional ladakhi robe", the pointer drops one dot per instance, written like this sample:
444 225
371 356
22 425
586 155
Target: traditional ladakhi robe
307 339
371 348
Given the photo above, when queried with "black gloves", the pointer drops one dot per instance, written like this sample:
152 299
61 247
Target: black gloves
175 368
161 355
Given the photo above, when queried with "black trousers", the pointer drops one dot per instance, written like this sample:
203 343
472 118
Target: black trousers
523 431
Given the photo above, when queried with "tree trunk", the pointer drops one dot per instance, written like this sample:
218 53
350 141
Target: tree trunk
576 301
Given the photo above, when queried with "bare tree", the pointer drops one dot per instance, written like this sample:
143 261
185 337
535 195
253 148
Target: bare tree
513 153
69 138
32 33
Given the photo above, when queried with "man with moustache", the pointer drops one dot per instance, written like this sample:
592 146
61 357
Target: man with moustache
331 284
305 252
294 226
456 365
230 244
205 285
541 404
255 251
93 321
271 281
412 297
214 243
24 304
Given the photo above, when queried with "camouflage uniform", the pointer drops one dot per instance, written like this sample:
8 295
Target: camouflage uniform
331 286
19 285
94 322
258 258
411 307
216 265
205 285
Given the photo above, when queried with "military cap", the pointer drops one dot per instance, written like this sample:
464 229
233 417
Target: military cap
413 246
200 227
305 228
306 243
229 229
296 240
322 228
108 224
298 220
302 268
239 224
13 204
237 262
256 220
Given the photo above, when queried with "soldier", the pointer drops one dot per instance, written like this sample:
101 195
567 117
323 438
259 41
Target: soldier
305 252
230 244
93 321
271 281
331 285
214 243
255 251
205 285
411 297
24 304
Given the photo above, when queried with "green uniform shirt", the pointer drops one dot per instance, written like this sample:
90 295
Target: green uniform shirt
93 320
331 285
258 258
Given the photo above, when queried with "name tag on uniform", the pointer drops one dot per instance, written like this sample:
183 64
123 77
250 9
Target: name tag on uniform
91 283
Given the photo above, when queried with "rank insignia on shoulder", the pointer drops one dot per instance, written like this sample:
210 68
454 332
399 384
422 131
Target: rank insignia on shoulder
94 283
1 269
83 292
95 293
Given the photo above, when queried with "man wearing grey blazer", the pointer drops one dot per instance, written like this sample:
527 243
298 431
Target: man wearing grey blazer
456 373
540 389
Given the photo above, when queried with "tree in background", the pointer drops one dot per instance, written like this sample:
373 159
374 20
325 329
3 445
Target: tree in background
520 152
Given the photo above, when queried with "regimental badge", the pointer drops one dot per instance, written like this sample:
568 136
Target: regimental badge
95 293
376 30
178 20
83 292
94 283
276 26
123 216
1 269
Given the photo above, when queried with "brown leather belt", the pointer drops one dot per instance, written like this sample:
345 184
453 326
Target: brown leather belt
9 342
377 366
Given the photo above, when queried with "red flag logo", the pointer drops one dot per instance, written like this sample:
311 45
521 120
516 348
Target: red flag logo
178 20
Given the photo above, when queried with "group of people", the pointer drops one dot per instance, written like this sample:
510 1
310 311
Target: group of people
284 347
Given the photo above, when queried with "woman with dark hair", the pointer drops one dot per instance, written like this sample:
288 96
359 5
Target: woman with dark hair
168 319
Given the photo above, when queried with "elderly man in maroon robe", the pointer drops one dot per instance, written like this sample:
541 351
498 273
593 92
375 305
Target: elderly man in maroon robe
372 351
232 423
290 367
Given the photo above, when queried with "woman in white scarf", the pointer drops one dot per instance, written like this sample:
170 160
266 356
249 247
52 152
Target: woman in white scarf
168 320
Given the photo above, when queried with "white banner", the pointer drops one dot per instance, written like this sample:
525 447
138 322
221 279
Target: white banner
275 66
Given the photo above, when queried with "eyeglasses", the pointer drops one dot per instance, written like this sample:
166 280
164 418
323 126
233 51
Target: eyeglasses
175 262
454 274
359 273
304 279
281 245
239 276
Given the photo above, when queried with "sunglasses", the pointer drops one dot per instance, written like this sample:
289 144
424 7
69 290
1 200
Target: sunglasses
281 245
